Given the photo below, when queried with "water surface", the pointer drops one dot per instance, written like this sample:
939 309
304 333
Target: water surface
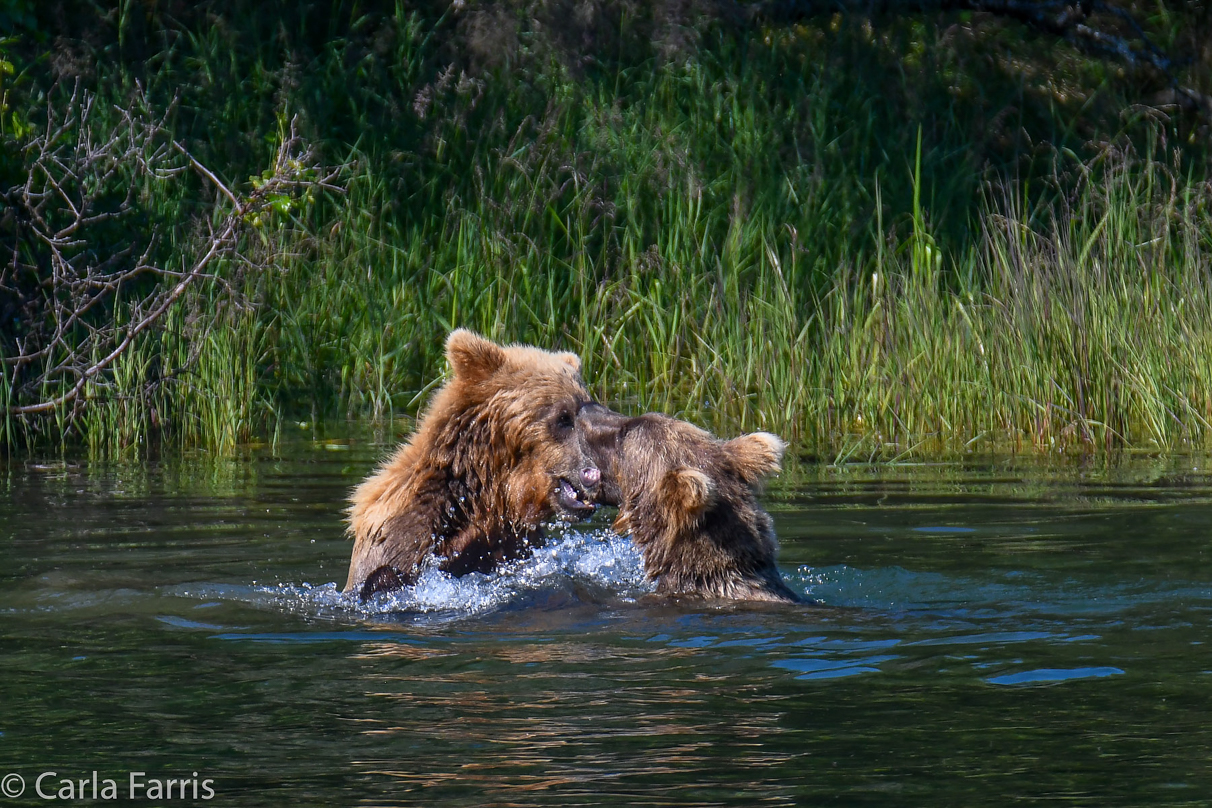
991 633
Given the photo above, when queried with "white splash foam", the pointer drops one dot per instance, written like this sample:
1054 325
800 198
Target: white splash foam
599 559
571 559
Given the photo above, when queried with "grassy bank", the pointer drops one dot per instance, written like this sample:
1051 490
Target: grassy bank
849 237
1085 327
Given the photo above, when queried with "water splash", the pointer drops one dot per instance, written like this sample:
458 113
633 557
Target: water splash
602 562
581 564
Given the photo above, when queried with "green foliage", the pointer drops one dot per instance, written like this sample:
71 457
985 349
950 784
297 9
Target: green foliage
17 15
11 122
846 235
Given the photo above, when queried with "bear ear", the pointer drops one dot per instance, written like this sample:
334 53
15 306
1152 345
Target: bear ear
684 493
756 456
471 356
572 360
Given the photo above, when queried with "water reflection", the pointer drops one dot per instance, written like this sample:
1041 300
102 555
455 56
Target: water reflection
815 668
989 634
1052 675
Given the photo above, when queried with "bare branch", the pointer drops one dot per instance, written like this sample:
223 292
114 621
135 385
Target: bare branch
66 289
206 172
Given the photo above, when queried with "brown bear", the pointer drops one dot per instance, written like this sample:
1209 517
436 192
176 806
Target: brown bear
499 449
689 501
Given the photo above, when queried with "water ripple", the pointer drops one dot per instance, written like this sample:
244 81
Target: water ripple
1049 675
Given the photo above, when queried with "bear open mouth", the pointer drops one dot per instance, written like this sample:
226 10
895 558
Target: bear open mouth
573 498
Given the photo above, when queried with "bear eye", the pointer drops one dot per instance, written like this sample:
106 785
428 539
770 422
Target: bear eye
564 420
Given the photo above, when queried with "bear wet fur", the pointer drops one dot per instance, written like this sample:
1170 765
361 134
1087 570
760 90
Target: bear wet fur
499 450
689 502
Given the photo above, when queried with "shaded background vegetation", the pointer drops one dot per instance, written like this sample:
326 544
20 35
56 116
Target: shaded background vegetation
877 232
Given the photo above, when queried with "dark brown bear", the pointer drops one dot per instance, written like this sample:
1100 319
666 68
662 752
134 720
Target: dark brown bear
689 501
499 450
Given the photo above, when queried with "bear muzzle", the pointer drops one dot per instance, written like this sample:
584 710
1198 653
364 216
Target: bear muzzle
603 430
577 497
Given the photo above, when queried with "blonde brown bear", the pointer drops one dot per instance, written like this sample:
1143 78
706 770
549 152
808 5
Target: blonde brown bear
689 501
500 449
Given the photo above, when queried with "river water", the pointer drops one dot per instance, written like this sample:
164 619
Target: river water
991 632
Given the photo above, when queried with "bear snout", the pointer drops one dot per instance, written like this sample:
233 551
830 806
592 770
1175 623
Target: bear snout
601 430
590 477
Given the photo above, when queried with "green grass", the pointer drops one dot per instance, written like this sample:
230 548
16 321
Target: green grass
1085 326
764 236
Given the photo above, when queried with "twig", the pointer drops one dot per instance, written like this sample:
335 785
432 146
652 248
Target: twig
55 275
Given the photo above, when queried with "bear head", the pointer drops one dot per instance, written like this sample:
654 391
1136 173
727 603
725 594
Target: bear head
500 448
689 501
510 411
